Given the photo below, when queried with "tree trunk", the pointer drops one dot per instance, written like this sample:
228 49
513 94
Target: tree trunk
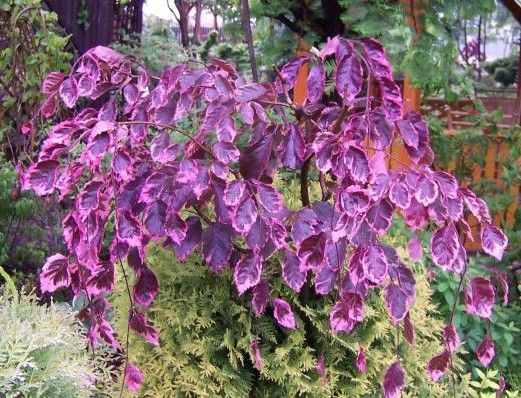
197 26
184 10
245 11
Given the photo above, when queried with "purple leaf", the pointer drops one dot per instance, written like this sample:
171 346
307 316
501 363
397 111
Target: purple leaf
234 192
408 133
217 245
494 241
348 78
448 184
445 246
52 82
283 314
293 148
257 355
146 287
55 273
357 163
247 272
451 338
245 215
394 381
379 216
396 302
374 264
316 83
414 246
426 191
260 297
291 273
41 177
311 251
408 328
400 194
347 313
133 377
249 92
361 363
102 280
438 365
480 297
290 71
382 128
325 280
254 158
502 279
128 228
139 323
69 92
191 240
269 197
486 351
354 200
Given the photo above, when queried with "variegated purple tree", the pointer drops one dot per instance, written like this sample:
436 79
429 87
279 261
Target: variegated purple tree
189 159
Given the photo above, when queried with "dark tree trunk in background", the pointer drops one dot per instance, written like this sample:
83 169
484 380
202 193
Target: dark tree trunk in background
107 20
183 8
197 26
245 12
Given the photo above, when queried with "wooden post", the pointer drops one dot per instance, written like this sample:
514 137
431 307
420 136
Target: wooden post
301 85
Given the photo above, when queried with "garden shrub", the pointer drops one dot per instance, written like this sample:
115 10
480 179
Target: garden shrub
206 337
43 352
212 189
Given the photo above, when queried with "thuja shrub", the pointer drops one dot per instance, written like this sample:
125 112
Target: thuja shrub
207 337
211 189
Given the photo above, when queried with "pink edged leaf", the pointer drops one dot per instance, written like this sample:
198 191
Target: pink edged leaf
354 200
52 82
325 280
55 273
438 365
128 228
257 355
217 246
291 273
254 157
379 216
408 329
348 78
447 183
494 241
269 197
49 107
445 246
139 323
414 248
283 314
396 301
192 238
245 215
311 251
260 297
234 192
486 351
480 297
249 92
374 264
357 163
102 280
146 287
426 191
247 272
408 133
361 363
290 71
69 92
400 194
394 381
226 152
42 176
293 148
347 313
451 338
133 377
316 83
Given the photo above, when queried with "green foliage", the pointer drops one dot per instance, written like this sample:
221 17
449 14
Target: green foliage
43 352
156 48
504 70
487 384
206 336
31 46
